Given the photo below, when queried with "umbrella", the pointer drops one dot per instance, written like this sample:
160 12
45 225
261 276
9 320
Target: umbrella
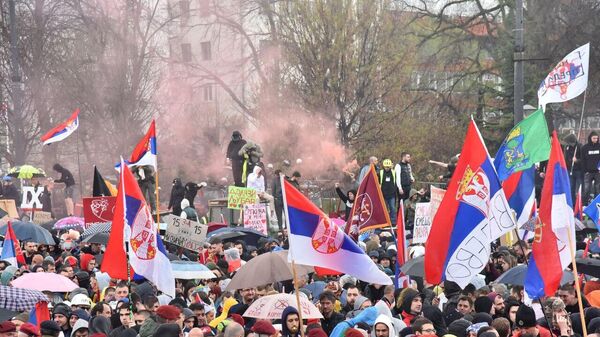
414 267
173 257
17 299
190 270
103 227
27 231
264 269
101 238
45 282
588 266
516 276
6 315
272 306
249 236
26 172
74 222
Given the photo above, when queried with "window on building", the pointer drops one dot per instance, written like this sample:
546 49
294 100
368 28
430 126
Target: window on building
186 52
206 51
207 92
204 8
184 9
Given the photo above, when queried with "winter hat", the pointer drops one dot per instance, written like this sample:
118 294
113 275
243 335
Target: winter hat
8 326
525 317
406 297
187 313
101 324
49 327
317 332
483 304
62 309
168 312
29 329
262 326
459 327
238 319
359 301
353 333
80 324
593 325
482 317
23 317
168 330
7 274
81 314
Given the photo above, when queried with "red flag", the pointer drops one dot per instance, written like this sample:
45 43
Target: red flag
369 210
403 281
39 313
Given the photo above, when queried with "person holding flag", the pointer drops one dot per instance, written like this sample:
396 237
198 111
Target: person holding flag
473 213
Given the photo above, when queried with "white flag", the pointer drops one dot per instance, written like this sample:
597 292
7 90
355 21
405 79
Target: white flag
568 79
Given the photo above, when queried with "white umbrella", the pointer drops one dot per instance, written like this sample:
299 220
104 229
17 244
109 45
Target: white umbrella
272 306
189 270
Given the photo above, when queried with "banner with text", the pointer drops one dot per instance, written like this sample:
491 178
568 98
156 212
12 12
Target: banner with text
185 233
98 210
255 217
437 194
237 197
422 222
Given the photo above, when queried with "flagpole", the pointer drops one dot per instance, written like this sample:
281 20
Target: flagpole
78 165
156 187
578 131
294 274
122 181
577 285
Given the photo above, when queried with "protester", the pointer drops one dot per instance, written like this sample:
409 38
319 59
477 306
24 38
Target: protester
177 195
347 198
387 181
66 178
235 158
590 156
404 175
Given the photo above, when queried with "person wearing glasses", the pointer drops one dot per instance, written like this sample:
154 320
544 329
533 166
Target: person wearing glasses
423 327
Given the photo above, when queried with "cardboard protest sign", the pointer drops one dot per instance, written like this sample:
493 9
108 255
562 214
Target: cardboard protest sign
255 217
437 194
41 217
185 233
422 224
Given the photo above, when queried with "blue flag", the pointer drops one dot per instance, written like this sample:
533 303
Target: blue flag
592 210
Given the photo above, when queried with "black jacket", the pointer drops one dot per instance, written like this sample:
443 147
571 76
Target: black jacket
65 177
590 154
233 150
329 323
177 194
387 180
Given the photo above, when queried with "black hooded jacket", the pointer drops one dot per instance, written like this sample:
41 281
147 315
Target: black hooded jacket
65 175
177 193
590 154
234 147
284 330
572 149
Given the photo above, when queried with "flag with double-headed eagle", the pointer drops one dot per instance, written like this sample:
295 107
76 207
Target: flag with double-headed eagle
145 152
317 241
368 210
473 213
134 239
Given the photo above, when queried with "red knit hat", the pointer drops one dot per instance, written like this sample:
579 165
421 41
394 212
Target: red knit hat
238 319
353 333
168 312
29 329
317 332
262 326
8 326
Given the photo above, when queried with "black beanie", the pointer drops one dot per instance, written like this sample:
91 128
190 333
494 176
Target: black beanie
525 317
459 327
483 304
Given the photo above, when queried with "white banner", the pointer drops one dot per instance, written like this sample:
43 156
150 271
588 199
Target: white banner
422 224
255 217
568 79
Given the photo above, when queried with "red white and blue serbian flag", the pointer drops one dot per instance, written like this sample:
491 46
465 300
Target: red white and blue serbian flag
133 226
315 240
474 212
551 253
11 249
63 130
520 193
144 153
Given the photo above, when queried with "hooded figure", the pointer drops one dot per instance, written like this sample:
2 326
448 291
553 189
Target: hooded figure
285 331
590 156
406 305
237 160
252 153
256 180
177 194
387 322
99 324
187 212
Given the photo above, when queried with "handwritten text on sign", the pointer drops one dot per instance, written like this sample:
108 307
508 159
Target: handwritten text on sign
237 197
422 222
437 194
185 233
255 217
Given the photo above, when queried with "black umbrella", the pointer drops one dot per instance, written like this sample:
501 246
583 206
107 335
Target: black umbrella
414 267
516 276
588 266
27 231
249 236
101 238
